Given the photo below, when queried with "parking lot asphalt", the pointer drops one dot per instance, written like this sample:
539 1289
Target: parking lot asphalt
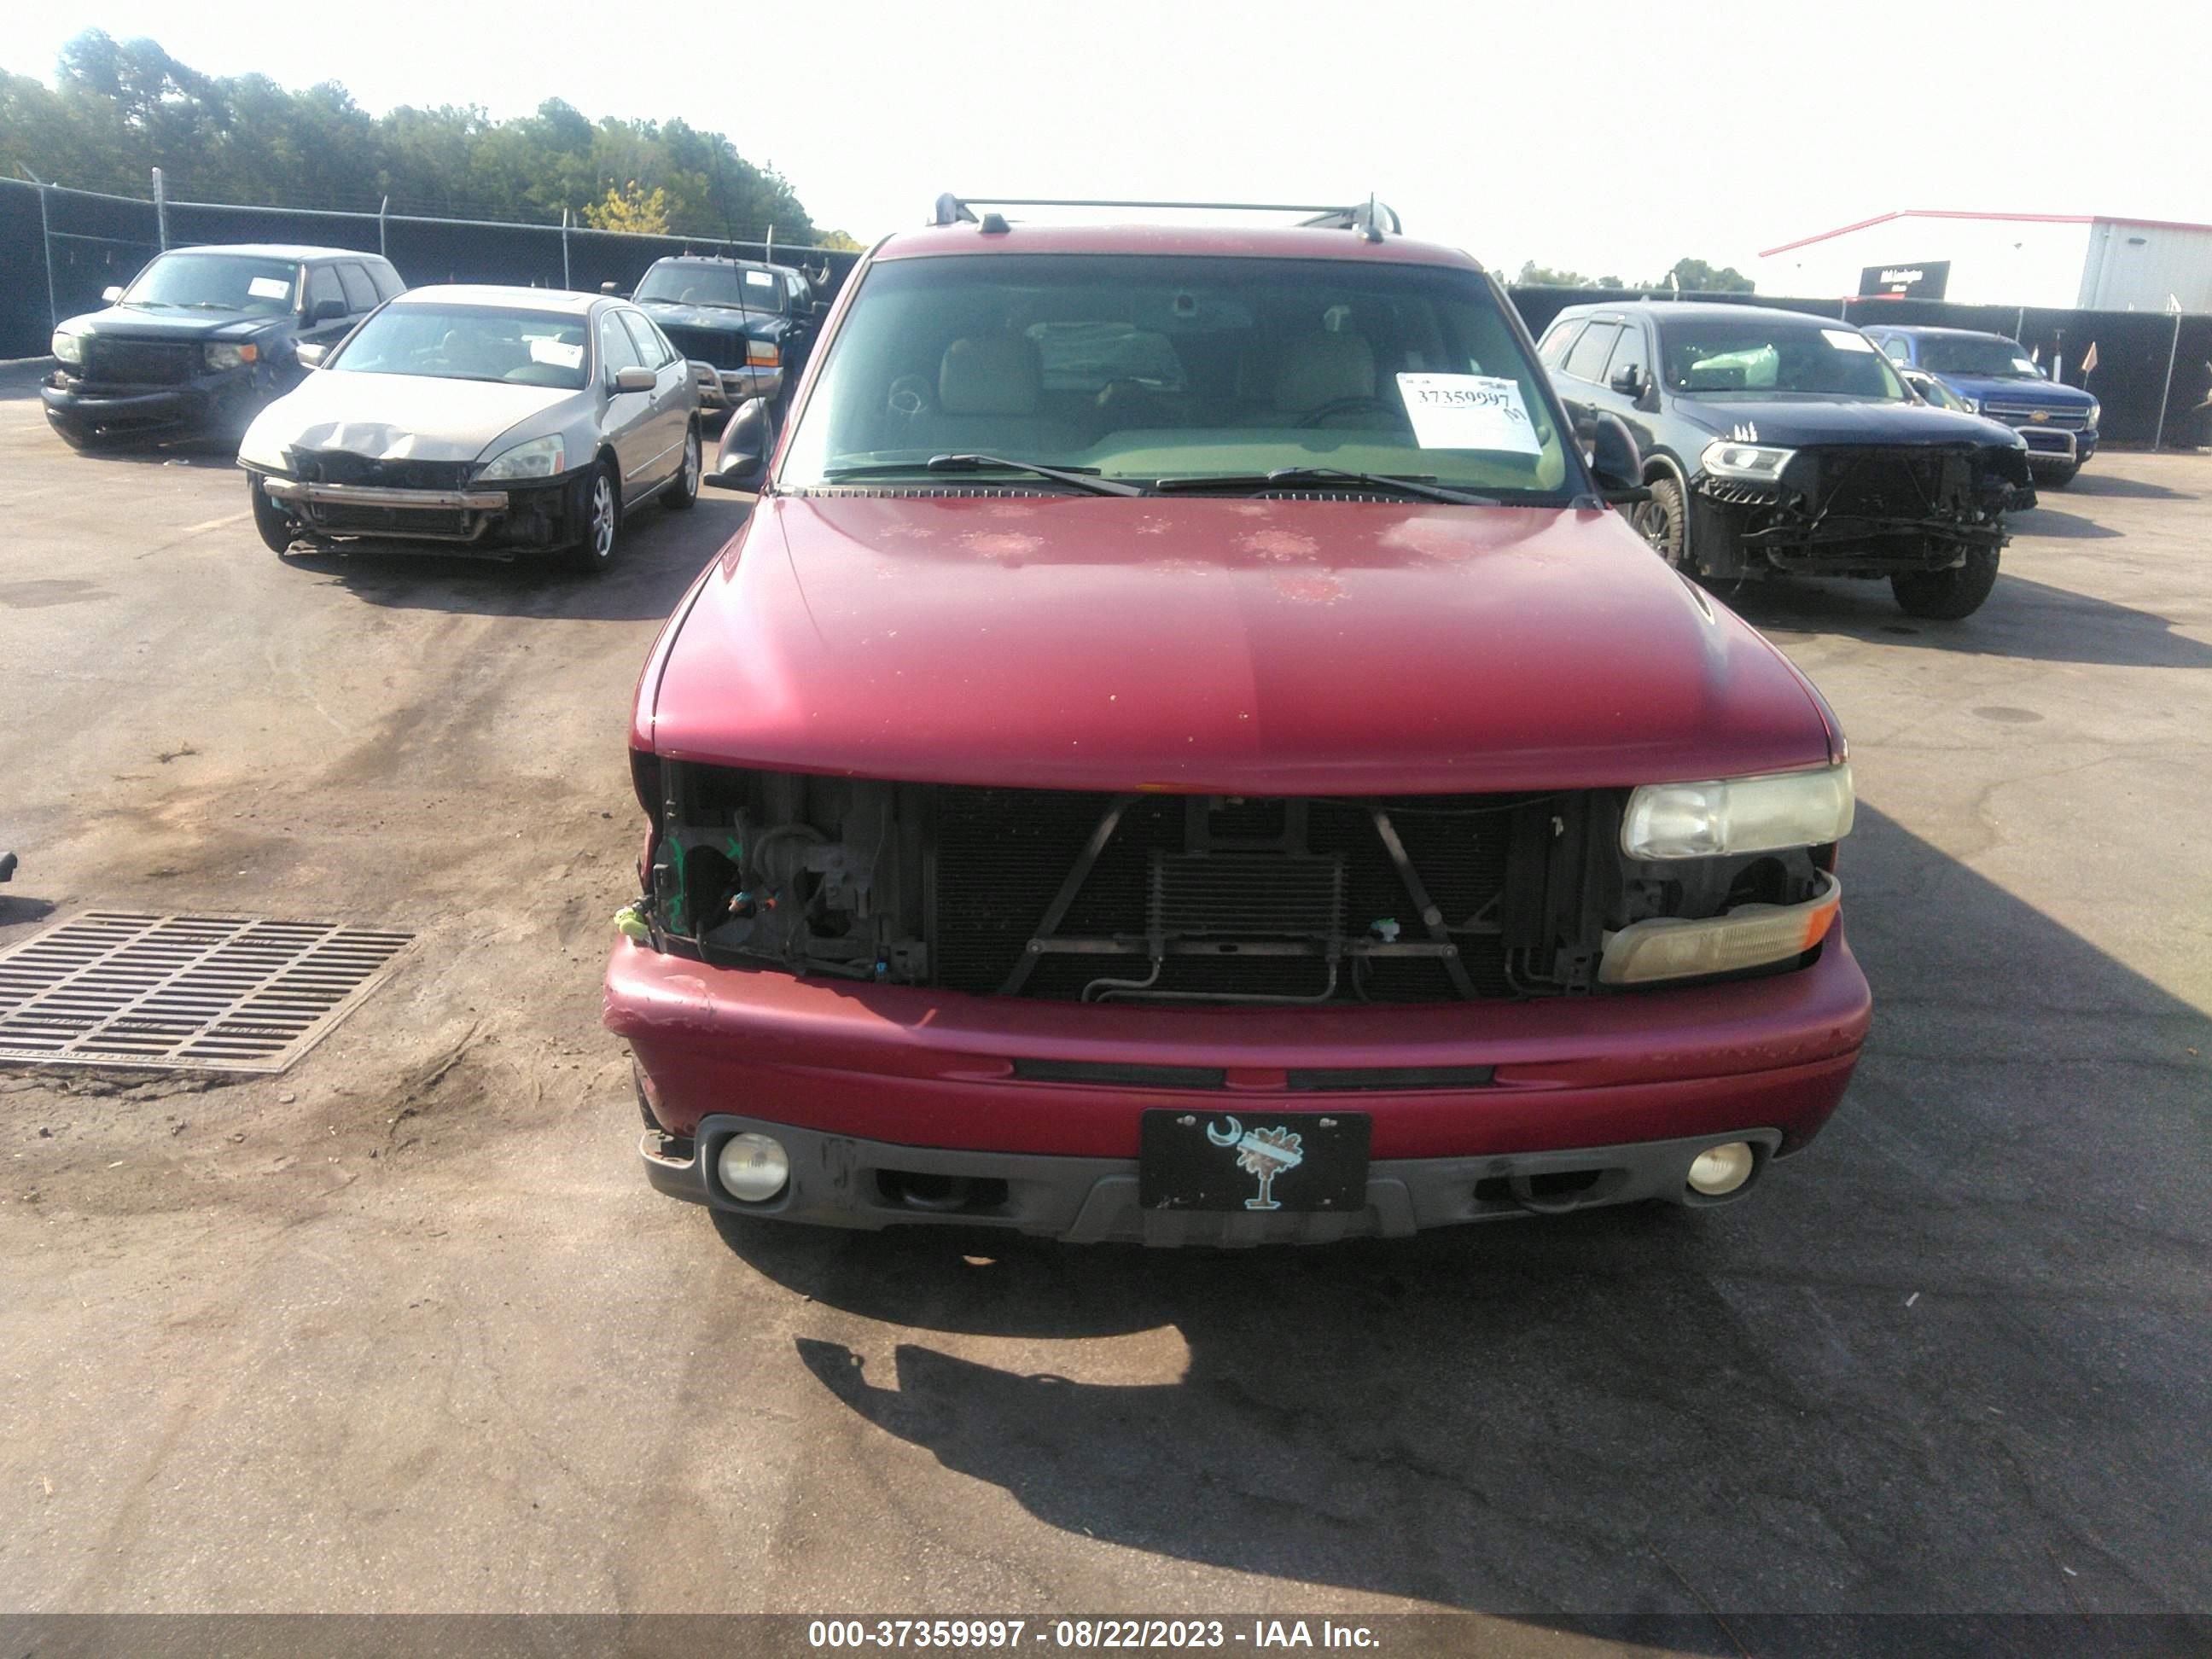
404 1330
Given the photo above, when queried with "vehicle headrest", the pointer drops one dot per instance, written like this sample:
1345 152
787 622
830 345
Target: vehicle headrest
1318 369
994 374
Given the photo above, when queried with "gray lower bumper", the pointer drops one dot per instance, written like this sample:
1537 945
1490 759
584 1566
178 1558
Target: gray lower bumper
839 1182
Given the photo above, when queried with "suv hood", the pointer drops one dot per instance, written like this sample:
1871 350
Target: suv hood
1227 647
147 323
1794 423
396 416
674 313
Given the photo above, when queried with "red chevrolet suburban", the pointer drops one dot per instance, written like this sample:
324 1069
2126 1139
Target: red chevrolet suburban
1184 751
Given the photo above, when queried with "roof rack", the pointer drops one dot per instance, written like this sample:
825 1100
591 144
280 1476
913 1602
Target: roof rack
1370 218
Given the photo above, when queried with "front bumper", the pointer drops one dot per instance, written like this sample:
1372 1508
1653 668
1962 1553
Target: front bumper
725 388
935 1071
839 1182
86 413
539 515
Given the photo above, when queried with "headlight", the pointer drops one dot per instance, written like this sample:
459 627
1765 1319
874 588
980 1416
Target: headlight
2096 410
68 347
541 457
231 356
1751 462
762 353
1738 815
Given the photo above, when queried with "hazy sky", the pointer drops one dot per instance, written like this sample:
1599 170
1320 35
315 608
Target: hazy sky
1612 138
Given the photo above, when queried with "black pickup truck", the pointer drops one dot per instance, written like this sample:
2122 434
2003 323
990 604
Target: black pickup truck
751 323
1781 441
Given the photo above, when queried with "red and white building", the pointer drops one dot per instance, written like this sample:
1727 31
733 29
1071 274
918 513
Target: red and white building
2057 260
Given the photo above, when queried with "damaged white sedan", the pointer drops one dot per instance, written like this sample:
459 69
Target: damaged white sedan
499 421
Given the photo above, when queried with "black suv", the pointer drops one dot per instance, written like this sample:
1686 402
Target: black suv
1783 441
203 337
751 323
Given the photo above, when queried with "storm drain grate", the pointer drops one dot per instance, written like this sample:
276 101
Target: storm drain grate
213 994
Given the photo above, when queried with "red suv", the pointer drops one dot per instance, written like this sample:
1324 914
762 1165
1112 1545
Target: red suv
1182 751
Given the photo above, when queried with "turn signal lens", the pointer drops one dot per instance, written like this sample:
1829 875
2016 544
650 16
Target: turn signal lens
762 354
1749 936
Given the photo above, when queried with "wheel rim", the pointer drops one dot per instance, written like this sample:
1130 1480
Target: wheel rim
1655 524
691 464
603 518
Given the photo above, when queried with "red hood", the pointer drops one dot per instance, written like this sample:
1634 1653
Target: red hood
1229 646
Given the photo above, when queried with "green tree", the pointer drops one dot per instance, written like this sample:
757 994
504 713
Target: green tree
117 109
630 209
1696 276
838 242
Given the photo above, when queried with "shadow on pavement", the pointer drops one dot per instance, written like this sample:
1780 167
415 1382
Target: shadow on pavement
2026 619
1953 1359
661 555
2108 483
2046 521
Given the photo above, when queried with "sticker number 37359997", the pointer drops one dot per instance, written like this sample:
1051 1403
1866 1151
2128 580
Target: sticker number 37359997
1468 412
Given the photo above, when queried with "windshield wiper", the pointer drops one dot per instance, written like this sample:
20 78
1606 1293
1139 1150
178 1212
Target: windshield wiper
1290 477
1083 479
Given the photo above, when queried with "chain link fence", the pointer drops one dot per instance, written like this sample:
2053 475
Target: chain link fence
60 248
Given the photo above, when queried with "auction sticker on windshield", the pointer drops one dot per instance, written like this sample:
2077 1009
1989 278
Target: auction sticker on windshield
559 353
1844 340
269 288
1468 412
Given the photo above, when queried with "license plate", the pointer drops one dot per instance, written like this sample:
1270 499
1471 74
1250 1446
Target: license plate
1253 1161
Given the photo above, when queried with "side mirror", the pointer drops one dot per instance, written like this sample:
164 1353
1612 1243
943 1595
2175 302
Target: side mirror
636 379
311 355
606 287
742 460
1616 463
818 310
325 311
1627 381
111 293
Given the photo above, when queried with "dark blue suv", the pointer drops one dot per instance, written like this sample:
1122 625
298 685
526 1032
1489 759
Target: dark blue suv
1996 378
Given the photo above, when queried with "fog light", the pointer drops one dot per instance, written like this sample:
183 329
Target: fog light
1719 1170
753 1168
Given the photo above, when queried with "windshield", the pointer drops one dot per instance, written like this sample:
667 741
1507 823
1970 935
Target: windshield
1145 368
1983 354
743 288
1758 356
468 343
216 282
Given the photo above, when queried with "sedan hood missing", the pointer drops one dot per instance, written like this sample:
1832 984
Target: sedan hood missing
1224 646
396 416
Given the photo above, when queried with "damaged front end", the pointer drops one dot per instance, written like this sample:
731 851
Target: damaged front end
335 493
1094 897
1855 510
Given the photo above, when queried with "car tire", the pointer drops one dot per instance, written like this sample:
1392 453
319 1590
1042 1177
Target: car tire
600 511
1664 522
2059 477
277 529
684 494
1948 595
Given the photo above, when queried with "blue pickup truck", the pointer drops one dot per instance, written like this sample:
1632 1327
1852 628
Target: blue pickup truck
1996 377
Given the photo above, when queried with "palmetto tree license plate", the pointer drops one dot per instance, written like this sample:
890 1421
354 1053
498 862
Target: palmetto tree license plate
1256 1162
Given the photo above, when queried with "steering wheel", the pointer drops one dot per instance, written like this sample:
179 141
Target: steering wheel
1348 406
910 395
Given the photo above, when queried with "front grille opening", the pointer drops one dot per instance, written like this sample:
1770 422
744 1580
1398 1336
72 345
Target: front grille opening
941 1194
